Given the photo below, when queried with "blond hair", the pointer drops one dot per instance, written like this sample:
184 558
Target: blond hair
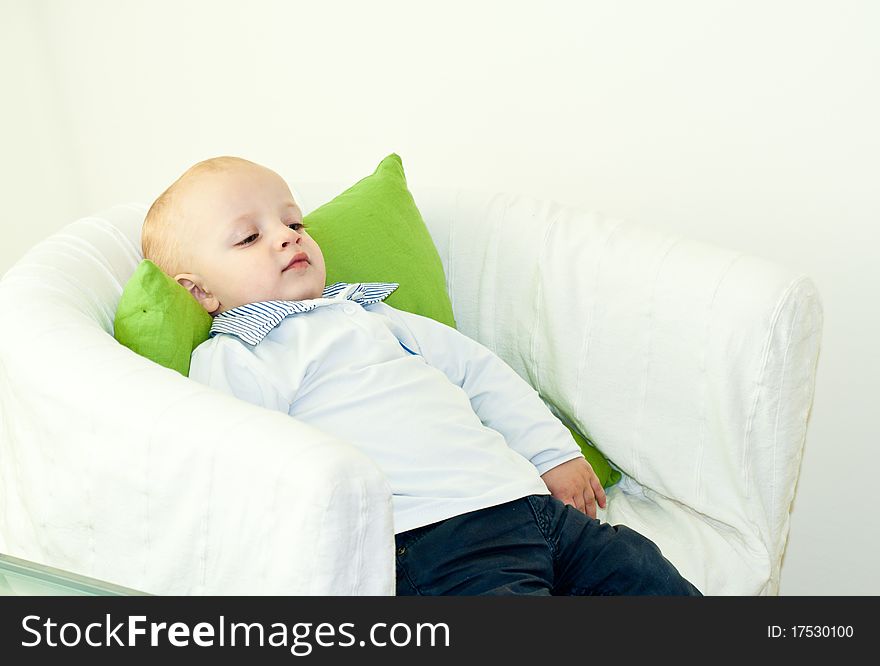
161 235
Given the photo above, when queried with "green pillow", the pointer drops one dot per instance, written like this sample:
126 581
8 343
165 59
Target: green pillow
159 319
371 232
606 474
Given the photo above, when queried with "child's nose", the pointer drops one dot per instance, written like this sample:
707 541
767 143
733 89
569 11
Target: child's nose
290 236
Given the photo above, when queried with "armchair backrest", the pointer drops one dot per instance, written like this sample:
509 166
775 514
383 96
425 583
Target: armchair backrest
692 367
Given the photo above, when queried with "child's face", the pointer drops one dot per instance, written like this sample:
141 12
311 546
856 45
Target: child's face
246 241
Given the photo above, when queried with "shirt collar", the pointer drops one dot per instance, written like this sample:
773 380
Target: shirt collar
252 322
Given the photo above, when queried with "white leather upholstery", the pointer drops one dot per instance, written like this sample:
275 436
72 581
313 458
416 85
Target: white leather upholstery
691 367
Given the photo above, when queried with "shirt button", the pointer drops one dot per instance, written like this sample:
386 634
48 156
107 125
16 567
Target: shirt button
401 551
349 309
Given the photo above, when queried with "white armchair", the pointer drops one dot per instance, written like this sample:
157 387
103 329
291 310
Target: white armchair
691 367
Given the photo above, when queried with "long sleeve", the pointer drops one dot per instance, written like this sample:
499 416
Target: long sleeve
501 398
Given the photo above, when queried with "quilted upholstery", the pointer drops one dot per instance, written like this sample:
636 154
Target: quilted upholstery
691 367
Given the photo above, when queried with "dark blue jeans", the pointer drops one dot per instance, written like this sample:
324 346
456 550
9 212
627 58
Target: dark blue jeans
533 545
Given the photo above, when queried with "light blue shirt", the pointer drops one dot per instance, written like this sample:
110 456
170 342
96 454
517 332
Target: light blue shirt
453 427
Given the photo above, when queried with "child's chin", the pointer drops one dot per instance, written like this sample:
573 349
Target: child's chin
306 295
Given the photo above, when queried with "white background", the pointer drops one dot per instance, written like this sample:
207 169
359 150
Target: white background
752 125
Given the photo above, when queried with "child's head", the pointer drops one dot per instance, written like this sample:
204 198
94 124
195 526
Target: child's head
230 232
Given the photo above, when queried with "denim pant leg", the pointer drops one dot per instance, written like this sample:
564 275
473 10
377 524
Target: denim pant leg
594 558
498 550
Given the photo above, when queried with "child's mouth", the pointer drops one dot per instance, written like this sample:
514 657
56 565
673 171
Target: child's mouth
299 262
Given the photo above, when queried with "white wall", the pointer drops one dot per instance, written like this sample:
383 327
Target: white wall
752 125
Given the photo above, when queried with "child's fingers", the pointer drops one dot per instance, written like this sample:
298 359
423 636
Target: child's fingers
589 503
599 491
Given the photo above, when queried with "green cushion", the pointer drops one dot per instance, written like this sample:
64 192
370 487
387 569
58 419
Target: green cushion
159 319
607 475
371 232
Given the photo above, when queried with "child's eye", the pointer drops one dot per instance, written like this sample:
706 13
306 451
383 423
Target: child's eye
247 241
297 226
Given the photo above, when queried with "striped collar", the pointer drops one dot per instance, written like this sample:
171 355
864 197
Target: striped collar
252 322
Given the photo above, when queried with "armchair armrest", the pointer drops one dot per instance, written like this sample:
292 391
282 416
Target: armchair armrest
116 468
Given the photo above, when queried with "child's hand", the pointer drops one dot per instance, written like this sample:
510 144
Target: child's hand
574 482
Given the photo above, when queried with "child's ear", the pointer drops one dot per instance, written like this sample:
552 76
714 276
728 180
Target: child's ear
194 285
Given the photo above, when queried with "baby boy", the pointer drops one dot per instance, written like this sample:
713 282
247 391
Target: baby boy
490 493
